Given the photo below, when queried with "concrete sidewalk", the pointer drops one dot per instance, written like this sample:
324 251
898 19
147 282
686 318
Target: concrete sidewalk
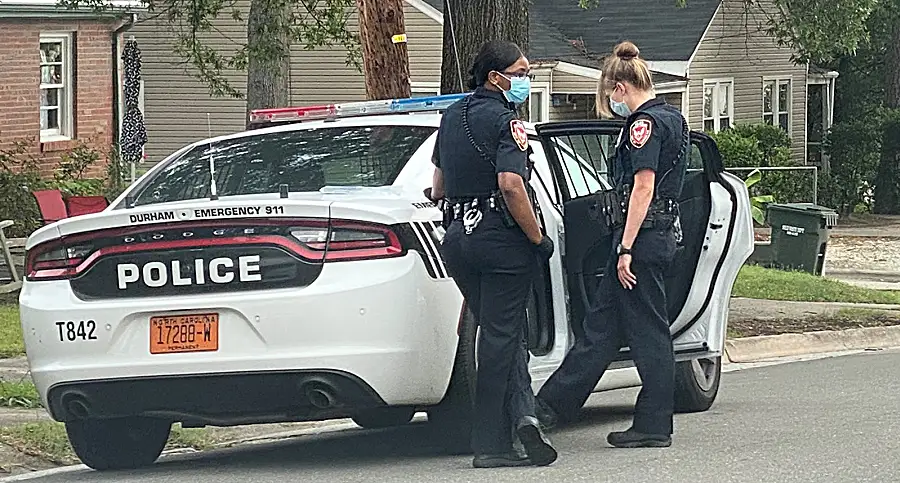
871 279
742 309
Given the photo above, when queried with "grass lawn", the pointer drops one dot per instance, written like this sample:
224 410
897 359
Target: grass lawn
48 440
19 394
763 283
10 332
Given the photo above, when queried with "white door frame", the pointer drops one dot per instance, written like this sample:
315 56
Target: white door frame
544 89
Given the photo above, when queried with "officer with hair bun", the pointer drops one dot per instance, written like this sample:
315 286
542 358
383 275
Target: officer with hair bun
651 158
492 247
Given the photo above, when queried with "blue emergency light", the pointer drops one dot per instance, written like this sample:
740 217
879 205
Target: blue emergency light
354 109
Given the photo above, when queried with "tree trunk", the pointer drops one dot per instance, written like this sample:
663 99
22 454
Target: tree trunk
473 23
269 64
887 190
385 58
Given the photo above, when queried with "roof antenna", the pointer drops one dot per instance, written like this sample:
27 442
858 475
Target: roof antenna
212 164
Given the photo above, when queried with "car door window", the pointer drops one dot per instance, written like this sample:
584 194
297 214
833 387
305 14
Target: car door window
695 161
586 161
542 172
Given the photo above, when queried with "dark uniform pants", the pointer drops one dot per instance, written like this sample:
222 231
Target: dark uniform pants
637 318
493 268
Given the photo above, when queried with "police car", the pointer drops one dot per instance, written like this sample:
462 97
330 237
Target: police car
292 272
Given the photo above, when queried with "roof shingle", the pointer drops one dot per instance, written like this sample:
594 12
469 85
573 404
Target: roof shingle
561 30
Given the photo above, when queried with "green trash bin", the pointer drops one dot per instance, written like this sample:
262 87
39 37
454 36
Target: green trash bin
800 235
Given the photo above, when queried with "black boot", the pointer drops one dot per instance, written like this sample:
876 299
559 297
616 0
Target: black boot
537 446
633 439
500 460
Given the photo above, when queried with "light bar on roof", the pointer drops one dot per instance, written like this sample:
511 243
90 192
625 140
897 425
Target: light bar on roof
353 109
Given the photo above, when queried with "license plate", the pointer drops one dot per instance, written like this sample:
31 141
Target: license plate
184 333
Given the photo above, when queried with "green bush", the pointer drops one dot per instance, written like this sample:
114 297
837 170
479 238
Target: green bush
853 148
763 145
19 175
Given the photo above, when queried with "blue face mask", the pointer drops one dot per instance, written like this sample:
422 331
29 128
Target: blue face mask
619 108
519 89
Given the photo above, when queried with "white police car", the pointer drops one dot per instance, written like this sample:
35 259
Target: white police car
292 273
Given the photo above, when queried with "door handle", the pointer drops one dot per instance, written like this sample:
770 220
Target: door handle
715 226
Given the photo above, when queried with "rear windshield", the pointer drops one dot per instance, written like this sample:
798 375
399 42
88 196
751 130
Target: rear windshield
305 160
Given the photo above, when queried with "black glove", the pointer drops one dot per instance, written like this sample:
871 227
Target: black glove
545 247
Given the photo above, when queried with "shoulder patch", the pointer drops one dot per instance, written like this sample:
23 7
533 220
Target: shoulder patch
640 132
518 133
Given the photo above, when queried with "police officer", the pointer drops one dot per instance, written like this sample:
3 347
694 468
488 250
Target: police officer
491 248
631 309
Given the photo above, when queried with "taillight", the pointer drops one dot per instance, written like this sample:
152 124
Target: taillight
55 262
313 240
343 241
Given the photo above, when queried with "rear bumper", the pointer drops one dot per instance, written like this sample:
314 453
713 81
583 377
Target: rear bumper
379 332
217 399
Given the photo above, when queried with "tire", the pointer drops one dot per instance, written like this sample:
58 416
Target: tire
387 417
451 419
697 384
118 444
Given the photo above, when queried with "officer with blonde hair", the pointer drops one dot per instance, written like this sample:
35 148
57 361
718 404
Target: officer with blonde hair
649 169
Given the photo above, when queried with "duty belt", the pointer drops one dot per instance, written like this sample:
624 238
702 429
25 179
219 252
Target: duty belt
471 210
663 206
661 213
610 210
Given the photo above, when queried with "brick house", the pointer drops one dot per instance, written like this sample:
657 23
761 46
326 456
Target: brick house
60 77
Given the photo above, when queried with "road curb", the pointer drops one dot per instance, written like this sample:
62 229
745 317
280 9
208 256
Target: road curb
760 348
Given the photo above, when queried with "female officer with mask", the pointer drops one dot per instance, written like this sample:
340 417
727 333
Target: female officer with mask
631 309
490 248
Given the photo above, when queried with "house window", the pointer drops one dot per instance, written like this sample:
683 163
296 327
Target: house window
56 87
777 103
539 104
718 105
535 108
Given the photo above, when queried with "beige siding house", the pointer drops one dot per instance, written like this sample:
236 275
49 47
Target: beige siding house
708 58
738 74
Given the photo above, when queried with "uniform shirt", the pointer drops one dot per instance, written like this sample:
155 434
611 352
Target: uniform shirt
500 135
654 138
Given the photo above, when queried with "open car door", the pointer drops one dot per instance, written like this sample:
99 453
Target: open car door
715 218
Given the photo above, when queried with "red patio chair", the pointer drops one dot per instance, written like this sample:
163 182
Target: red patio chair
83 205
52 206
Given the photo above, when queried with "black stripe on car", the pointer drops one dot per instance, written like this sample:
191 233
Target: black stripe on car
422 238
426 231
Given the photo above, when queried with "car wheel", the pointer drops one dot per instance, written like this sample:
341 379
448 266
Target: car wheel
452 417
697 384
115 444
384 417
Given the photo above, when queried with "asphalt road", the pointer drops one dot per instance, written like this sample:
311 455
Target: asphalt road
827 420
